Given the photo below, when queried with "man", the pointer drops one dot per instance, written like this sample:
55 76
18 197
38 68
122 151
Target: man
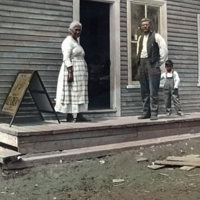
151 54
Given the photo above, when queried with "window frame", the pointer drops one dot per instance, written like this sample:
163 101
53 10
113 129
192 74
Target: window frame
162 27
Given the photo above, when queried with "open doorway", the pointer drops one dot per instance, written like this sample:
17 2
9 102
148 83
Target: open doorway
94 17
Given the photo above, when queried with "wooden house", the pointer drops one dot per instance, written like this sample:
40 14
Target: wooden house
31 33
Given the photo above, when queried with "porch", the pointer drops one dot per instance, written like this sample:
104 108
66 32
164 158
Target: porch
49 136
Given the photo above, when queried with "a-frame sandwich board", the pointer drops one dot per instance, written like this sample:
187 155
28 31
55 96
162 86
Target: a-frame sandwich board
28 80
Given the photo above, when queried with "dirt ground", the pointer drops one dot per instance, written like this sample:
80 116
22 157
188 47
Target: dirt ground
92 179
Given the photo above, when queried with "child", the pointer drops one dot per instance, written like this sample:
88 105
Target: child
171 88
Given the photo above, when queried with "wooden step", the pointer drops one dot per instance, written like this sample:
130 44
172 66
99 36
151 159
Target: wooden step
8 155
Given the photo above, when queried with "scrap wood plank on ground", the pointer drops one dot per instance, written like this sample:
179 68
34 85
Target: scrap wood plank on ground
155 166
187 168
6 154
190 160
184 158
177 163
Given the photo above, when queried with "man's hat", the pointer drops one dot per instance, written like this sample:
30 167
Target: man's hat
169 62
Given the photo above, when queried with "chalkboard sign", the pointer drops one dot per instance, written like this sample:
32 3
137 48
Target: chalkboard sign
32 81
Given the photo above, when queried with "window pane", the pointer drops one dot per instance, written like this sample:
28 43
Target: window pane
134 66
137 13
153 15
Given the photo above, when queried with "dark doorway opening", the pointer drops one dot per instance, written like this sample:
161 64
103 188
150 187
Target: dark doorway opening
94 17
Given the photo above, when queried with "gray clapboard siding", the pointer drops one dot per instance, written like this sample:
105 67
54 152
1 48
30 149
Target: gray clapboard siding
28 38
182 9
183 53
25 9
185 31
182 27
11 49
192 80
25 66
124 73
190 62
182 48
179 13
187 84
31 33
123 34
51 2
19 44
183 36
195 101
8 19
189 57
48 18
5 60
123 48
35 4
184 5
123 30
29 28
181 18
193 2
182 22
188 88
182 93
12 55
124 54
183 39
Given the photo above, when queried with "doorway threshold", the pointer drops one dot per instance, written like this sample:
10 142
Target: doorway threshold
99 113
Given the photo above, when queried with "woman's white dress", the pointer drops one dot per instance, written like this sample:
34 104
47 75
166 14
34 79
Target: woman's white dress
72 97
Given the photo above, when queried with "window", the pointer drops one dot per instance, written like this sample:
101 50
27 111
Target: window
156 12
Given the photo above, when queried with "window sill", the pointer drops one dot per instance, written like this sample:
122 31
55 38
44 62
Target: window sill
136 84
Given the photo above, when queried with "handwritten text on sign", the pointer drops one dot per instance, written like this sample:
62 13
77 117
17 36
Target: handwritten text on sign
17 92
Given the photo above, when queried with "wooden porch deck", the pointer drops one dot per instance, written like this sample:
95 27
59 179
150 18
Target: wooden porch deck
50 136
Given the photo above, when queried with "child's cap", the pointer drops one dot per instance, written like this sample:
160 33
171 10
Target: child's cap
169 62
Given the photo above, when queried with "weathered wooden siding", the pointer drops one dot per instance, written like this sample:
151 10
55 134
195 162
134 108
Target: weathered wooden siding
123 33
125 99
31 32
183 51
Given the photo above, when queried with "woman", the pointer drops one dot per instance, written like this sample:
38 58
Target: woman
72 87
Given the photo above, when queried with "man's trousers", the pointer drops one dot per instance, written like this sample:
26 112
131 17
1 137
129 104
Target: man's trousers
149 82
